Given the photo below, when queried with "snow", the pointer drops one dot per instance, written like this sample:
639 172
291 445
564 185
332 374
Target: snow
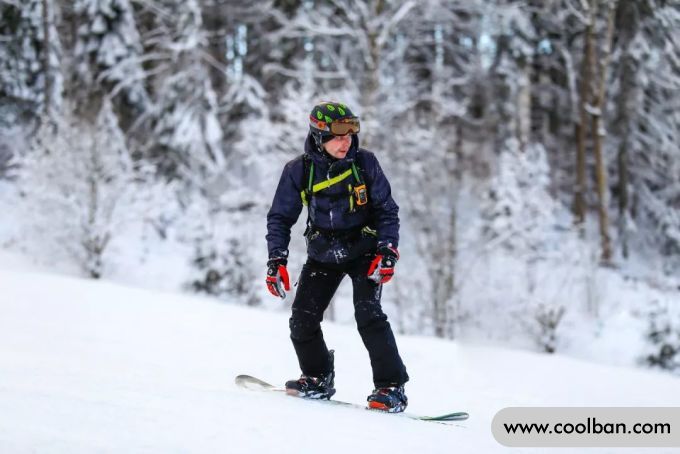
94 366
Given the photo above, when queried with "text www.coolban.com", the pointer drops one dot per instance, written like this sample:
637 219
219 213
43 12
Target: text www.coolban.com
591 426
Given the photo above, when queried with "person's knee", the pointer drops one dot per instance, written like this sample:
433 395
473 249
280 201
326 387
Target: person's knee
370 317
303 328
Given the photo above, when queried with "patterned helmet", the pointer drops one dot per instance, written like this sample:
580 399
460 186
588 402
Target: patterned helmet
329 119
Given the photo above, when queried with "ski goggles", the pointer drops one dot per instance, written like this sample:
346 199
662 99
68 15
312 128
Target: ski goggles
340 127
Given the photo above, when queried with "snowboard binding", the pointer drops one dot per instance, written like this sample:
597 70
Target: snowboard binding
320 387
390 399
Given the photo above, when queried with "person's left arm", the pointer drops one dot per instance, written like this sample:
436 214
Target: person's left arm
385 213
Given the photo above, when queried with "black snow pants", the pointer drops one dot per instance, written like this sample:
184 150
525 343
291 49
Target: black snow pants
318 282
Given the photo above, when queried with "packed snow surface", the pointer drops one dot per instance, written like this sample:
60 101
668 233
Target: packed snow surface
91 366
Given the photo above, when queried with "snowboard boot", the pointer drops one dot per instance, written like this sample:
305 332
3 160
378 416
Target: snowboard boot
320 387
391 399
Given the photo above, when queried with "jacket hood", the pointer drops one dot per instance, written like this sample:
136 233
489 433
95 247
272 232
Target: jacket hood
320 157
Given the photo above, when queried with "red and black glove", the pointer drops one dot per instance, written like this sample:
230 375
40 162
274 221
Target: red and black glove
382 266
277 277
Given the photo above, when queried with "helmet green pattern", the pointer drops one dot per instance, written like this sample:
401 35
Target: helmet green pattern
325 113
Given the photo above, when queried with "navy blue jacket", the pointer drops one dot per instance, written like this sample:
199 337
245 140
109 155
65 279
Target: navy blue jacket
335 235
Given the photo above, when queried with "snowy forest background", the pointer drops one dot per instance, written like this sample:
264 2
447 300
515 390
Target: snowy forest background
532 147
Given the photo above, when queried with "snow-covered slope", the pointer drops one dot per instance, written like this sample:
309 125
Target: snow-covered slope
94 367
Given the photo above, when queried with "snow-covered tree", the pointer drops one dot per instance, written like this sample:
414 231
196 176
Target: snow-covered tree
224 272
11 140
649 163
519 228
187 135
663 338
545 329
186 142
221 234
430 199
108 50
30 73
6 164
81 188
519 211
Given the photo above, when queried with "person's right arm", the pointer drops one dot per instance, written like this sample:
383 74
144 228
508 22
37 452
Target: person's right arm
285 209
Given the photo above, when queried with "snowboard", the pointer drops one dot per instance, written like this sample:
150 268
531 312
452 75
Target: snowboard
255 384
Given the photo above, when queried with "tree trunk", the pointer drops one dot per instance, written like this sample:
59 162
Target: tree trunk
623 196
440 305
598 135
627 23
372 86
450 278
46 56
581 127
524 106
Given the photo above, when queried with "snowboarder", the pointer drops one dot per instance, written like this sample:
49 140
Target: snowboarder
352 229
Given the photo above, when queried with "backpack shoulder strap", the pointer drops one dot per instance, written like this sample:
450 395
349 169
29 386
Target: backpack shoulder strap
358 168
307 179
357 174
